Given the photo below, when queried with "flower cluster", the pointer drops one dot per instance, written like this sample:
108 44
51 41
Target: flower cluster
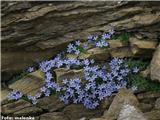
15 95
61 61
101 41
74 48
98 82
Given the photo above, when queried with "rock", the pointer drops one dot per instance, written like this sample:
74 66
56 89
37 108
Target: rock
22 60
51 103
144 107
97 119
146 73
117 43
99 54
29 84
142 47
155 65
121 52
129 112
106 102
37 30
64 73
148 97
15 106
153 115
143 44
32 111
77 111
83 118
72 56
123 97
157 104
140 20
4 93
53 116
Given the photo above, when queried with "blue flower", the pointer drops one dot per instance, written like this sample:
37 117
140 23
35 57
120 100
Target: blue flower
77 43
106 36
30 69
15 95
32 98
111 31
135 70
102 43
47 92
43 89
48 76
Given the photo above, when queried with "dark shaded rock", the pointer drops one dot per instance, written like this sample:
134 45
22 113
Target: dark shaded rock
32 111
148 97
144 107
53 116
51 103
77 111
153 115
157 104
106 102
15 106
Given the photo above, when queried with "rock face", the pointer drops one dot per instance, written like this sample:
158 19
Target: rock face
75 112
33 31
129 112
15 106
51 103
53 116
29 84
155 65
123 98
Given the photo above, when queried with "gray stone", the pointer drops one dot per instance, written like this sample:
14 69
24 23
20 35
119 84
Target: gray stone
51 103
15 106
129 112
155 65
123 97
